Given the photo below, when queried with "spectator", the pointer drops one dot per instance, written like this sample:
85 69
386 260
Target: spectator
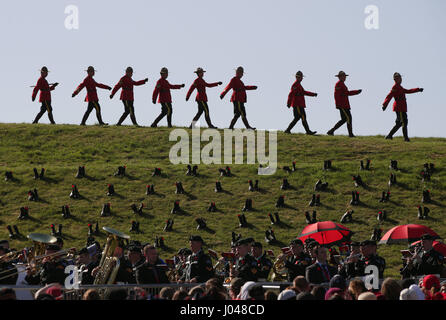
214 282
318 292
166 293
391 289
196 292
412 293
443 287
305 296
117 294
287 295
270 295
213 293
91 294
7 294
338 282
333 291
336 296
244 291
236 285
179 295
431 288
300 284
257 292
367 296
406 283
45 297
356 287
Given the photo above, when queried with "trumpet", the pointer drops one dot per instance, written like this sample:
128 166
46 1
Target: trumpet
10 256
280 273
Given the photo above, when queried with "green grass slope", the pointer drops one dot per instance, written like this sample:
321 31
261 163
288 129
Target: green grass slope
62 148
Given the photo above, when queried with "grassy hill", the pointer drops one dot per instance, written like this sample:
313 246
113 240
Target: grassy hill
61 149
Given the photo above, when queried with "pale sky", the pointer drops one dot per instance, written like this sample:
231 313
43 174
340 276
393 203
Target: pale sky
271 39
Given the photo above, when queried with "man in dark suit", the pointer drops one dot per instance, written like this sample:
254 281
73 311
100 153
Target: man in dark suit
320 271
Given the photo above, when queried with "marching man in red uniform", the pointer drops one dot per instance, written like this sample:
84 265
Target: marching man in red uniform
296 99
92 96
398 93
162 89
200 84
45 95
341 95
238 97
126 83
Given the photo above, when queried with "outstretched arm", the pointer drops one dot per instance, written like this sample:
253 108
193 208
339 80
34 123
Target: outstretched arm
176 86
189 92
102 86
140 82
413 90
116 88
212 84
310 94
354 92
250 87
78 89
225 91
387 100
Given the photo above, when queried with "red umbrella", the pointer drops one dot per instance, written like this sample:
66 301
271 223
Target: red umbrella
326 233
406 234
440 247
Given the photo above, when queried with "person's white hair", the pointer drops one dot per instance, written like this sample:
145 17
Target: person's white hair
287 295
367 296
418 291
244 291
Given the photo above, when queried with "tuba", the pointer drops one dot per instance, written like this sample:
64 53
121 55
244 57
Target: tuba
109 265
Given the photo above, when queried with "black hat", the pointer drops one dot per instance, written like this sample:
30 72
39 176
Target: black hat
242 242
90 68
83 251
129 69
355 244
135 243
164 70
53 247
427 236
44 69
250 240
196 238
240 69
368 243
3 242
257 245
296 241
135 248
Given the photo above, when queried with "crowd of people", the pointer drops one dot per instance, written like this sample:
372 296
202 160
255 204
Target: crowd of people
308 265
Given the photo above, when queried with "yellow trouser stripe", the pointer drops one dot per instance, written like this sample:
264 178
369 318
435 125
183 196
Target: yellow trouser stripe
346 115
46 106
96 106
206 111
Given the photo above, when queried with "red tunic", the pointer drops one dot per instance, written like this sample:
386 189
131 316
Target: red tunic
341 95
296 97
126 83
45 90
399 94
238 90
200 85
90 84
162 89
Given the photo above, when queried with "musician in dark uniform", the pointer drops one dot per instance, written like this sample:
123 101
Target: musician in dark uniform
135 258
349 268
320 271
153 270
245 265
263 263
8 271
425 260
370 257
199 266
297 260
52 269
180 261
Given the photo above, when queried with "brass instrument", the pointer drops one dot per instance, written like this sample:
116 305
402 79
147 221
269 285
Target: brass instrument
109 265
10 256
37 253
280 273
231 267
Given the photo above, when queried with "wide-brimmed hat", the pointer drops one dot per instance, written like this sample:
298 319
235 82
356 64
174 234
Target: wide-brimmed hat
299 73
240 69
91 68
396 75
44 69
164 70
196 238
341 73
199 70
129 69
